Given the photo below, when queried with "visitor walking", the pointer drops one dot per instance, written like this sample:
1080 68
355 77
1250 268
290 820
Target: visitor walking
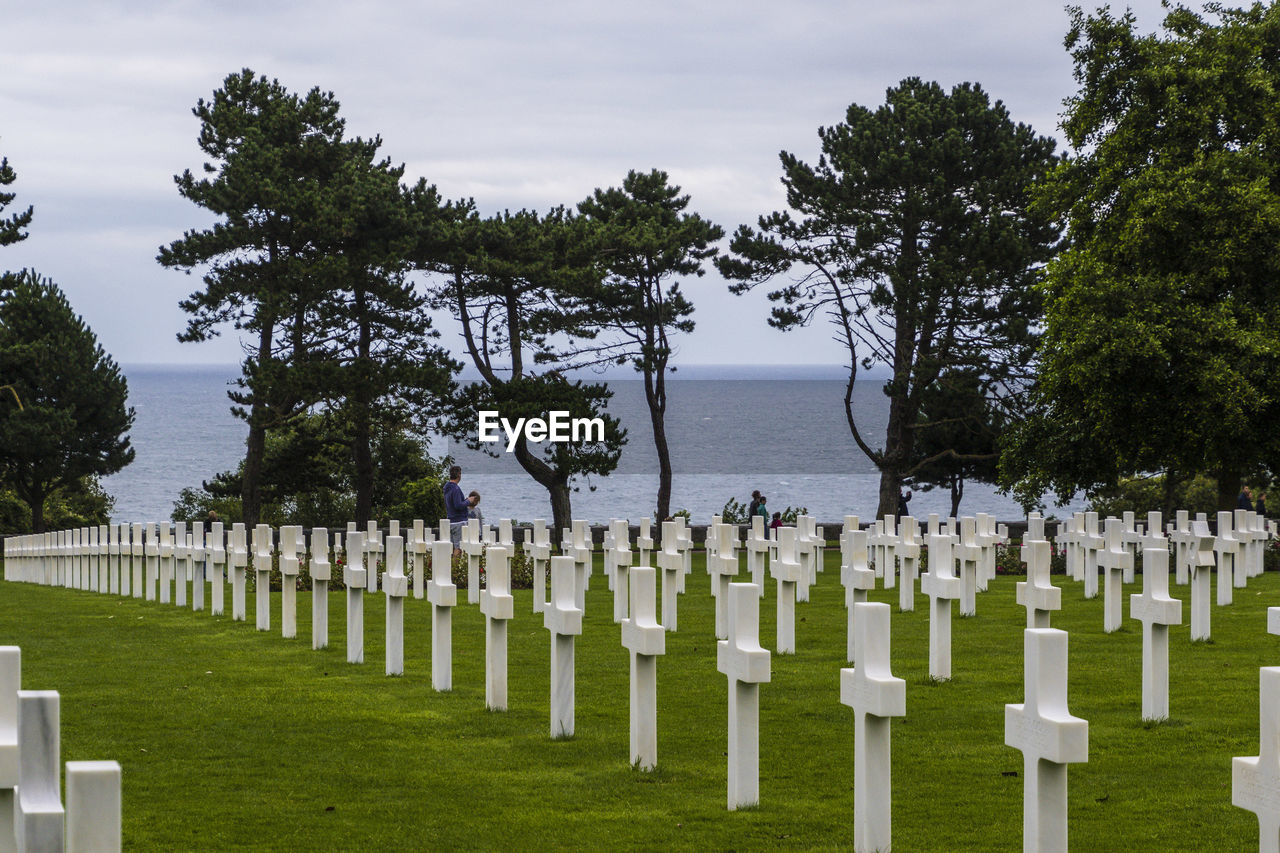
456 507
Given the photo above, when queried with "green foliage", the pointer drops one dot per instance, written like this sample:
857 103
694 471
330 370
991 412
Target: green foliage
790 514
11 226
83 504
1141 495
957 436
67 418
734 512
1162 323
913 234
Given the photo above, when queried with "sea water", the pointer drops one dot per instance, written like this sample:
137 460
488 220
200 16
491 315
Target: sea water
730 430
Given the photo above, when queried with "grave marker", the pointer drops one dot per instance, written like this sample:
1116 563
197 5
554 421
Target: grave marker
93 807
38 816
1113 560
166 563
788 572
563 618
723 568
969 556
498 608
396 586
10 759
757 549
262 575
198 559
1255 780
153 560
355 579
1038 594
443 595
747 666
321 571
418 556
671 562
291 543
239 561
875 695
1049 738
473 547
1200 564
907 552
1090 544
217 558
537 545
857 578
1227 549
645 639
620 557
181 563
942 587
1156 611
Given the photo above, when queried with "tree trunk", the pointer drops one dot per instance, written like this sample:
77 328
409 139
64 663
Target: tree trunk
655 394
256 443
362 450
898 441
1228 487
555 484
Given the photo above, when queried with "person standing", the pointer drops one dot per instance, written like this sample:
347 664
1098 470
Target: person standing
904 498
754 505
456 507
1261 505
1245 499
762 510
473 508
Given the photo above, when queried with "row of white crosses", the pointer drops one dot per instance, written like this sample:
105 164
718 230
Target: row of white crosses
32 816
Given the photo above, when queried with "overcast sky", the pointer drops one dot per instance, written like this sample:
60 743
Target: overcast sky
513 104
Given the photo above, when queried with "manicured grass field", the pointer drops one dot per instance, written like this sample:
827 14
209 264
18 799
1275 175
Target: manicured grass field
233 739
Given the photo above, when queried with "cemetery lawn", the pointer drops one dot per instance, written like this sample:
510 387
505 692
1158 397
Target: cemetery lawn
232 739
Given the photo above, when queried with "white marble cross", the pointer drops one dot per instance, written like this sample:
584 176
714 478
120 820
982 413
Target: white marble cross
806 555
395 584
1037 593
1227 549
757 549
888 543
788 572
199 556
537 545
620 558
645 639
1156 611
238 559
644 540
1049 738
10 684
93 807
153 560
321 572
1200 563
563 618
112 543
875 695
1131 536
166 563
419 539
38 816
96 573
723 568
1182 538
216 560
498 608
671 562
372 549
907 552
857 578
356 580
291 543
181 564
942 587
747 666
473 547
1090 543
1255 780
443 595
581 552
137 558
985 537
262 547
1114 559
970 556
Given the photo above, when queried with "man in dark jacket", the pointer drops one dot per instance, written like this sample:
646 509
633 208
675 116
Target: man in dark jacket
1245 499
455 507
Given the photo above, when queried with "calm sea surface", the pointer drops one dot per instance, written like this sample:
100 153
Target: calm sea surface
785 435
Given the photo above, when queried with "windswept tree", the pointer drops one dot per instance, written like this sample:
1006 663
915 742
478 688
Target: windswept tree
305 215
11 226
1162 318
511 282
67 419
913 234
644 241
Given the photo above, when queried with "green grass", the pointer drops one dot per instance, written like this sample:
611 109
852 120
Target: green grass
235 739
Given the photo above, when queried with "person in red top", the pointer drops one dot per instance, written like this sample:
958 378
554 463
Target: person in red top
777 521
